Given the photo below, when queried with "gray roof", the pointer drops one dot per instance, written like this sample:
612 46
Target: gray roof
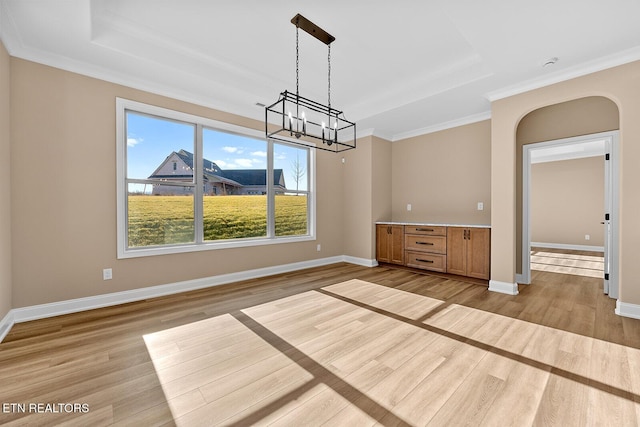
252 176
209 166
237 177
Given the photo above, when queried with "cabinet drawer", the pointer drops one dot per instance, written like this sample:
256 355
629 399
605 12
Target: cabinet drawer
433 244
431 230
426 261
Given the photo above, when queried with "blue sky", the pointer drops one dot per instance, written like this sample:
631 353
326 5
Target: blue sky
150 140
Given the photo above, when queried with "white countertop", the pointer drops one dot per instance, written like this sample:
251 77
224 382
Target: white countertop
433 224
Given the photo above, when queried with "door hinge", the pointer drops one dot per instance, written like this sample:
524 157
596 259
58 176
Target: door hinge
606 217
607 156
606 276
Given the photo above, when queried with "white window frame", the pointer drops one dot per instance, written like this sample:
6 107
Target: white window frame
124 251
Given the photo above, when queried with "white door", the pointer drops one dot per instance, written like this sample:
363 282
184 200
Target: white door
610 221
606 221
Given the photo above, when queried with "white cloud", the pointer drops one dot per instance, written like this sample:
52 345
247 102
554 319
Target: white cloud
239 163
259 153
232 149
245 163
132 142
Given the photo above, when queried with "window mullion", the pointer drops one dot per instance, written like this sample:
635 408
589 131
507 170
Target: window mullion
199 184
311 192
271 198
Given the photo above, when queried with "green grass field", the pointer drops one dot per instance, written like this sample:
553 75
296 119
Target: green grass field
163 220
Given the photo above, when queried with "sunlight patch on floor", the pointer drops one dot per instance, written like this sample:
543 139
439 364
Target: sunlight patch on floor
579 265
361 353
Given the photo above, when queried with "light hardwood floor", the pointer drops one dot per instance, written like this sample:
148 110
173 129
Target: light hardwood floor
578 263
337 345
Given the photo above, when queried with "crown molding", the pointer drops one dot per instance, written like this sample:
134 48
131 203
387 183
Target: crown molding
610 61
474 118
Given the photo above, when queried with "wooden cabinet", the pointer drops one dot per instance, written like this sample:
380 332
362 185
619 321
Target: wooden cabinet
469 251
426 247
464 251
390 243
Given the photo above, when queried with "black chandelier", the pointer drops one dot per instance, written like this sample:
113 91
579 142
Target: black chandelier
307 120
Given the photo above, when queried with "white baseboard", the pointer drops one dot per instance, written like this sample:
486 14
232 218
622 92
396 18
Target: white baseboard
627 310
6 324
570 247
42 311
360 261
503 287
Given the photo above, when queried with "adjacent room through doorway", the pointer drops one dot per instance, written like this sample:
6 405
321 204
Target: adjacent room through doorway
568 208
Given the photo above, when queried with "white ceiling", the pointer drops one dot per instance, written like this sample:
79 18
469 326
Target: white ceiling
399 68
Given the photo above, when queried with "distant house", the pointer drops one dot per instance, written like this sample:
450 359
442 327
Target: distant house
178 167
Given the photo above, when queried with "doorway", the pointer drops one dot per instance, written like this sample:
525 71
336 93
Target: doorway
601 144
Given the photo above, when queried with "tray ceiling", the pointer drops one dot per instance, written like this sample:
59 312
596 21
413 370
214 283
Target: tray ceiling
398 68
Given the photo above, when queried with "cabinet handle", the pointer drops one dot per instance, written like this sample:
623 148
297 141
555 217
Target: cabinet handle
424 243
425 229
425 260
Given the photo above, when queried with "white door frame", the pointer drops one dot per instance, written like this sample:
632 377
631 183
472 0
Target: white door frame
611 187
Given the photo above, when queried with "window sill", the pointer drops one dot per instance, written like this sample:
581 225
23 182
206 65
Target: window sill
227 244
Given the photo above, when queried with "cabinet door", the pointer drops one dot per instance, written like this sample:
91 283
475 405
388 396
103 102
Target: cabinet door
397 244
456 251
383 248
478 253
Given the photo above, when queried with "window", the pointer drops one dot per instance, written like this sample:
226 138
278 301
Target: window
188 183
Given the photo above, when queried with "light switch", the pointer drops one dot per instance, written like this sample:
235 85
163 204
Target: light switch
408 206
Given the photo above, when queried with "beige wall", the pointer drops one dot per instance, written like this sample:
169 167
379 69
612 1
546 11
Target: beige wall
381 178
5 188
357 198
567 201
443 175
64 223
367 194
621 85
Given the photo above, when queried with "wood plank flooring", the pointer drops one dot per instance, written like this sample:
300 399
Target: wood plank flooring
578 263
336 345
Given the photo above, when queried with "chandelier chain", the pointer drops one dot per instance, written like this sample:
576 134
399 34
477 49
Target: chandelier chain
297 63
329 76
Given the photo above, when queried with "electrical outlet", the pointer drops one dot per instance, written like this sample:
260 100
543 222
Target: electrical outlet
480 206
587 237
408 206
318 247
107 274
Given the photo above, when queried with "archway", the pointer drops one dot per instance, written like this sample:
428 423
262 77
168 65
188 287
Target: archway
566 123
